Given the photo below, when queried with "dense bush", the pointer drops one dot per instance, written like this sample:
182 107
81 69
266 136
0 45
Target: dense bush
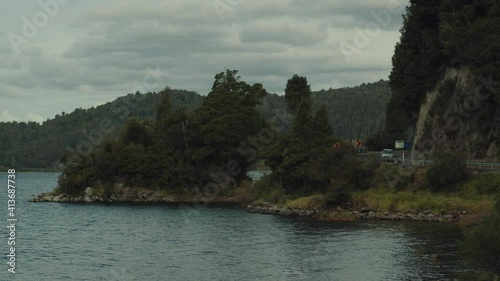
380 140
448 170
308 159
269 190
340 198
180 149
481 244
76 179
486 183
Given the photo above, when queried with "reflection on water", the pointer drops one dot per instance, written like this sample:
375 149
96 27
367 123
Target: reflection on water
133 242
378 250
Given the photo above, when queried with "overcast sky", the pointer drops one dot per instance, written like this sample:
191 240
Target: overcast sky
62 56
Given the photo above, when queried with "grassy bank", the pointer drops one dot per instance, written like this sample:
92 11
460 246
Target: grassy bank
397 189
383 200
404 201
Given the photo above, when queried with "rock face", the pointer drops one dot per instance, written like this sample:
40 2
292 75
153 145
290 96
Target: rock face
459 115
364 213
121 194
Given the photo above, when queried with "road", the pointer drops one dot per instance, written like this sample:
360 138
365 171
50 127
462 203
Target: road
398 156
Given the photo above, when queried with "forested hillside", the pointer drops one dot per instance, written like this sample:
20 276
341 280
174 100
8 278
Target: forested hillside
352 112
36 145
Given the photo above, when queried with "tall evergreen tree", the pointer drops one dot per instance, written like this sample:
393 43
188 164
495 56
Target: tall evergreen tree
296 91
322 130
415 65
226 118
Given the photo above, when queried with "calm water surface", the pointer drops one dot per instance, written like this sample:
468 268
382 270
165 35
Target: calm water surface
133 242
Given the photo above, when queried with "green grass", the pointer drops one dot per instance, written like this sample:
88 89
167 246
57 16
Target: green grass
399 189
314 201
487 183
422 201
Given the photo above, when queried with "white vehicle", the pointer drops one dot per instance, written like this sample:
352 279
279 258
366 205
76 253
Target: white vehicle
387 154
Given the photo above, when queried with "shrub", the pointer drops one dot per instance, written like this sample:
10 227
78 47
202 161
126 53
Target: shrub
486 183
76 178
269 190
481 244
447 170
379 141
339 198
391 177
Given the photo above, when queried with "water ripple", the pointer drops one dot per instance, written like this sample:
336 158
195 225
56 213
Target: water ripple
133 242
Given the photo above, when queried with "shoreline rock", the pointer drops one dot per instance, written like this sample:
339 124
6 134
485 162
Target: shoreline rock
131 195
361 214
90 196
126 195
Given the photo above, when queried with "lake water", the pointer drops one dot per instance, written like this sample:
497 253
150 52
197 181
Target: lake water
134 242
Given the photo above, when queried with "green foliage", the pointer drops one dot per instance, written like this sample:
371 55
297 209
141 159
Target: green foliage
180 150
352 112
436 36
42 145
75 179
164 108
447 170
303 160
226 119
269 190
137 132
356 111
420 201
292 164
138 158
340 198
297 91
379 141
416 63
321 129
347 172
486 183
273 154
481 244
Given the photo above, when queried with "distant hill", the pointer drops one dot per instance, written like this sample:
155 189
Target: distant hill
36 145
353 112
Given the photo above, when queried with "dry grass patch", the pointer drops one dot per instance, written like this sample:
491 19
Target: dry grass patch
422 201
315 201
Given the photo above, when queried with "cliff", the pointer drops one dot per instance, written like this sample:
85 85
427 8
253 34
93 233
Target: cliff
444 80
459 115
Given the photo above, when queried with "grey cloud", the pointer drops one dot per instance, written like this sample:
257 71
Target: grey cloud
113 45
355 13
287 32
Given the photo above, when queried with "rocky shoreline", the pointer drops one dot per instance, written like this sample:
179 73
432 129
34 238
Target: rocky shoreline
125 195
122 194
364 213
90 196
